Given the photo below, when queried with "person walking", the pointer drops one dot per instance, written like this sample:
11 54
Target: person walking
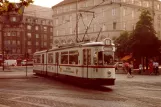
156 68
129 67
151 67
140 68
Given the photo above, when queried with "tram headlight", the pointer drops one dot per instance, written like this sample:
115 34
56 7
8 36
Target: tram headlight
109 73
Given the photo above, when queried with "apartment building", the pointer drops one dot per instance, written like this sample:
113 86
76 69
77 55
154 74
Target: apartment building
33 33
103 18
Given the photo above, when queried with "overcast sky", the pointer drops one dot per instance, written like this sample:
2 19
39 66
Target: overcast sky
45 3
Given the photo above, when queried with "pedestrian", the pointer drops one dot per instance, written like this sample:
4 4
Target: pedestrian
130 68
150 67
156 68
140 68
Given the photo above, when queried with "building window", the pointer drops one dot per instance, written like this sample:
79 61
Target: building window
158 6
18 42
43 22
9 34
103 27
29 43
132 13
147 3
13 50
51 37
29 51
113 12
18 50
103 12
124 26
45 37
18 33
37 35
114 25
29 27
13 19
51 44
124 12
56 21
132 1
57 33
45 29
13 34
45 44
70 30
36 20
29 35
37 43
140 3
14 42
51 29
36 28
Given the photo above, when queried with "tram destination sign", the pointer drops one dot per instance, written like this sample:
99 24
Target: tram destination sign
107 48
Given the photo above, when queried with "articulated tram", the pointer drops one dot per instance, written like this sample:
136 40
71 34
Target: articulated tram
90 62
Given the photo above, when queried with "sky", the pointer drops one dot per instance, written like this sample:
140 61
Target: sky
44 3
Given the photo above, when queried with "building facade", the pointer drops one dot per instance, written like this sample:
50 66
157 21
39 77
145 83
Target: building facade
33 33
103 18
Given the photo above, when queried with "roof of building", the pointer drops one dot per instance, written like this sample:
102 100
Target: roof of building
66 2
38 11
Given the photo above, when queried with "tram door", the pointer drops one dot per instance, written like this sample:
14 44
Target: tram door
86 62
43 63
57 62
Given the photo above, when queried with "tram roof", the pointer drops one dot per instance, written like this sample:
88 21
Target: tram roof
81 44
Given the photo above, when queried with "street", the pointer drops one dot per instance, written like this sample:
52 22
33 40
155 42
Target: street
36 91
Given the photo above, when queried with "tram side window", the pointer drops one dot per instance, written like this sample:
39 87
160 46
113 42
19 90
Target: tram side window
64 57
37 58
87 56
50 58
73 57
42 58
100 58
108 58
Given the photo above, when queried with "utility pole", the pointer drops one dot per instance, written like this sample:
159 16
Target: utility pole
3 45
76 21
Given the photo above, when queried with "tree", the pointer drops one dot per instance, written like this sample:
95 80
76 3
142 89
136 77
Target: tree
121 44
143 41
6 6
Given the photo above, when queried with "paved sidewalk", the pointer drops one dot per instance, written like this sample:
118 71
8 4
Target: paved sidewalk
139 78
13 73
136 72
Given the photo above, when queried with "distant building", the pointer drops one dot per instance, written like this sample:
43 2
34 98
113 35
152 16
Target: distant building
33 33
112 16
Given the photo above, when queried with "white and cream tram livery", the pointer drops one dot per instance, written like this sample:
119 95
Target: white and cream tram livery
90 62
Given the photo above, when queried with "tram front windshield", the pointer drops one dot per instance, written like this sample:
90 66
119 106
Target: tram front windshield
104 58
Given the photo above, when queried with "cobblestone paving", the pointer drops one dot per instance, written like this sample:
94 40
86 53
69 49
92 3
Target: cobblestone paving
43 92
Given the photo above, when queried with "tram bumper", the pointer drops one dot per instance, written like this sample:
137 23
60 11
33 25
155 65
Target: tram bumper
100 81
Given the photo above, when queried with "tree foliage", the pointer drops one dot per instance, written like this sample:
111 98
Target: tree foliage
142 42
121 44
6 6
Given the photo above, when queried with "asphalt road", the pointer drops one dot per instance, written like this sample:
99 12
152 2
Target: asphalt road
139 91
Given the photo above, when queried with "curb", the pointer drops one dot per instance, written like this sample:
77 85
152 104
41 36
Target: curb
17 77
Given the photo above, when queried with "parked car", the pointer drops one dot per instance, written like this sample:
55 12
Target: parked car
119 65
26 62
10 62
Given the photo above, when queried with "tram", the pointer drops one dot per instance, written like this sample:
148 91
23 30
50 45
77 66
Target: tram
86 62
